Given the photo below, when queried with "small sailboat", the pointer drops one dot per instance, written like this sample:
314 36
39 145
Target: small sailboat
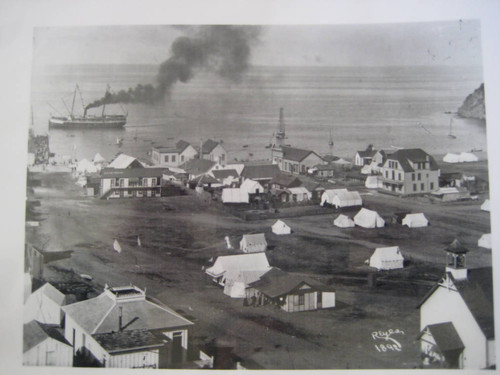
116 246
450 134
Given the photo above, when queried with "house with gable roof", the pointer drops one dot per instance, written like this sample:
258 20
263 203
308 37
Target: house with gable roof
173 156
44 345
44 305
123 161
295 160
364 157
410 171
213 151
123 328
456 316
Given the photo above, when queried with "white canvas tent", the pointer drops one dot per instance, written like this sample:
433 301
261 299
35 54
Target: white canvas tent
253 243
343 221
467 157
235 283
98 158
341 198
237 271
252 187
234 196
486 205
415 220
368 219
451 158
485 241
371 182
387 258
279 227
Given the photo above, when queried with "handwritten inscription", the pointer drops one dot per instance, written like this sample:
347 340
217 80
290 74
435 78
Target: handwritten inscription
390 343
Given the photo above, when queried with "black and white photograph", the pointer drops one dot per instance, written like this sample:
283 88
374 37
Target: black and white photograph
258 196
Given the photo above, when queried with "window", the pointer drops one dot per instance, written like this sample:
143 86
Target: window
182 158
422 186
399 176
419 176
432 185
413 176
122 182
386 174
301 299
83 339
145 182
173 158
112 182
166 158
393 175
414 187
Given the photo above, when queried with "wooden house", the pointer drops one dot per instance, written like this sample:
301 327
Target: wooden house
123 328
295 160
173 156
214 151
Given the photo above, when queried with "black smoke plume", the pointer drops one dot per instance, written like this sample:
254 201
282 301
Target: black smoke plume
224 50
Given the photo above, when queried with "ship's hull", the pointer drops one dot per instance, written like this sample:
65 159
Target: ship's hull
88 122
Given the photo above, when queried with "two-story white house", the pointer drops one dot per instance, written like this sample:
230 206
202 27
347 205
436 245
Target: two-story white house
173 156
410 171
214 151
122 328
129 183
295 160
456 316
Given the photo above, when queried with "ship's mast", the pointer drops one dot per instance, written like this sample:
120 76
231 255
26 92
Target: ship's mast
73 103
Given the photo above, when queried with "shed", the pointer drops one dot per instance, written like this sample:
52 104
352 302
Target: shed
368 219
44 305
485 241
230 195
299 194
253 243
486 205
279 228
387 258
343 221
371 182
415 220
45 346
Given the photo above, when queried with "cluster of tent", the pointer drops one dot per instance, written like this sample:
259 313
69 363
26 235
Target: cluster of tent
85 166
464 157
371 219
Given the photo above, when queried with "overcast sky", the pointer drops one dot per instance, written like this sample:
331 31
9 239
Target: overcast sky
449 43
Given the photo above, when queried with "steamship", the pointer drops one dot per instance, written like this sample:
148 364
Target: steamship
87 121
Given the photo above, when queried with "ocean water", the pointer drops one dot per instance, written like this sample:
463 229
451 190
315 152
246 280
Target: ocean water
389 106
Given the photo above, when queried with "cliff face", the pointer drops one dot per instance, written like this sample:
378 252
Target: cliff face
473 106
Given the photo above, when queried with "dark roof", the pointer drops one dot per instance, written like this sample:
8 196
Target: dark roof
206 179
131 172
208 146
296 154
265 171
477 293
114 342
224 173
367 153
197 166
34 333
329 158
446 336
276 283
286 180
414 155
312 185
325 167
456 247
177 148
